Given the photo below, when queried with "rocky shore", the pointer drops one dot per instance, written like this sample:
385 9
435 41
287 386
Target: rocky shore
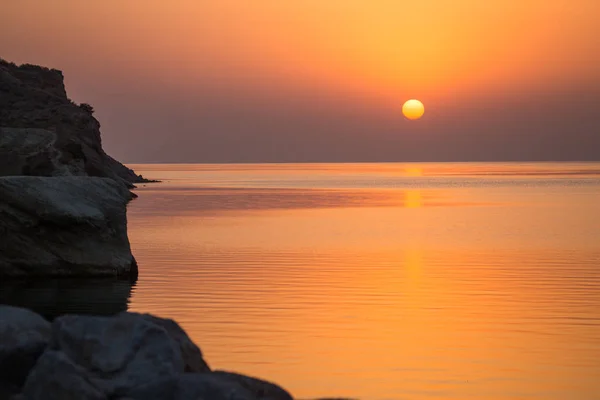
63 222
63 200
64 226
128 356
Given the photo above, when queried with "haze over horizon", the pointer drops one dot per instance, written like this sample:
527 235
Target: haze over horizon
309 80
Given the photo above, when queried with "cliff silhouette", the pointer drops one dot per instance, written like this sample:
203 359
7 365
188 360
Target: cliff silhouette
44 133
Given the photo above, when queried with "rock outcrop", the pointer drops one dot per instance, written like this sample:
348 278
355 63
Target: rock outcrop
64 226
73 221
127 356
42 132
24 335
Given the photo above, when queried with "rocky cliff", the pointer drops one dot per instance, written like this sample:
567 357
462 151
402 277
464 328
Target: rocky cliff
64 226
63 200
44 133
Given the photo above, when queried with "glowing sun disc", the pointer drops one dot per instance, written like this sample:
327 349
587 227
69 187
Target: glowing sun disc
413 109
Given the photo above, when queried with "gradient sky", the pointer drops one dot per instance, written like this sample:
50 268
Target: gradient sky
323 80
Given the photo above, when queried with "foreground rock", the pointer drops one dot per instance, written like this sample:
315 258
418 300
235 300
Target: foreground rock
43 133
128 356
23 337
64 226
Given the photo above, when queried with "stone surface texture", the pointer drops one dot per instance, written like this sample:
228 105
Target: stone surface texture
125 356
64 226
43 132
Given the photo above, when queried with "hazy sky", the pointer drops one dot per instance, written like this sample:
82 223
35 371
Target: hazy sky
323 80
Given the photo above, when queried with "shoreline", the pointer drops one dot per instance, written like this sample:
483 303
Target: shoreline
63 212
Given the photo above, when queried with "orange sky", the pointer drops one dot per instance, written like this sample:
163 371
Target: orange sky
374 54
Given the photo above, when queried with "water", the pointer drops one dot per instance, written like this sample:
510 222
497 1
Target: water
380 281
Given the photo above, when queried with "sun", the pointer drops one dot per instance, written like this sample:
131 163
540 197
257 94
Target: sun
413 109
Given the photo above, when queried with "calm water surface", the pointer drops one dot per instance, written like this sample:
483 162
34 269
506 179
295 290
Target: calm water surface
381 281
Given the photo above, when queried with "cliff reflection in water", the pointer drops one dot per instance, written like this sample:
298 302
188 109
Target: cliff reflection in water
54 297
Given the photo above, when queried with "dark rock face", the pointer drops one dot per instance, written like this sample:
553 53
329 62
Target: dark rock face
49 135
128 356
257 387
192 356
217 386
118 353
55 376
64 226
30 151
24 335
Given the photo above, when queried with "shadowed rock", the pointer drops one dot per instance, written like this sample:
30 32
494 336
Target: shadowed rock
64 226
44 133
119 352
192 356
257 387
26 151
128 357
55 377
214 386
23 337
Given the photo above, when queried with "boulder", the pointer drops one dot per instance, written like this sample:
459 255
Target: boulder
56 377
128 356
119 353
23 337
192 356
259 388
213 386
64 226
